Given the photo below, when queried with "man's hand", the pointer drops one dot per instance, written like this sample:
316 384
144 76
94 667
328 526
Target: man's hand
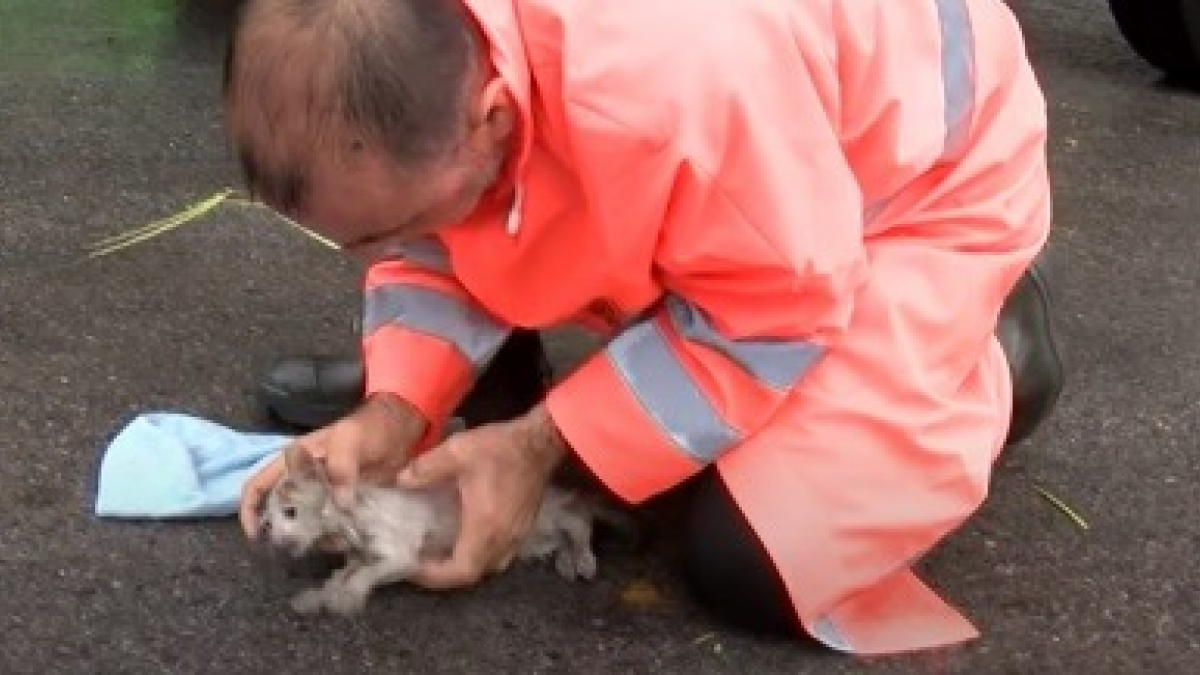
373 442
501 471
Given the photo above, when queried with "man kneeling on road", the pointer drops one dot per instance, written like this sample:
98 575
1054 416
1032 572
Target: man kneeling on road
808 229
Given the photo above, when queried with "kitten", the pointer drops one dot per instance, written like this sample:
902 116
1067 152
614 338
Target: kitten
390 530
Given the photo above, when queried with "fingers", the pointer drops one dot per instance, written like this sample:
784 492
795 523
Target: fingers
254 491
474 557
449 575
438 464
495 505
342 469
504 562
471 560
485 545
333 451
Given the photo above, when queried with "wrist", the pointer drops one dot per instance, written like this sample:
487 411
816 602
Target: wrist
404 424
548 444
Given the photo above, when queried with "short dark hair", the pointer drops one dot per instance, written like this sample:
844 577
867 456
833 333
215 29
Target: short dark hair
307 79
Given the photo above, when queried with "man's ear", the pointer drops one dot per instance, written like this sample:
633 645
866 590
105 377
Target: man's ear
492 115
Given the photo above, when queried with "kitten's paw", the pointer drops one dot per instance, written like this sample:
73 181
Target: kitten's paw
564 564
575 564
346 602
309 601
585 564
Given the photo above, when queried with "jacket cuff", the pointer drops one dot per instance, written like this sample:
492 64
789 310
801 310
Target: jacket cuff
427 372
614 435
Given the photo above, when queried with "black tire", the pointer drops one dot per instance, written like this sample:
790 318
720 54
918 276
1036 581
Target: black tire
1166 33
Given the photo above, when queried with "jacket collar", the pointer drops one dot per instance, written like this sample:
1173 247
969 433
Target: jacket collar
498 21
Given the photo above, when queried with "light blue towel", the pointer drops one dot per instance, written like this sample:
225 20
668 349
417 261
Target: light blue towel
170 465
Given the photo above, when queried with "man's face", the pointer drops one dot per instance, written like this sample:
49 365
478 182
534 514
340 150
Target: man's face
313 106
369 205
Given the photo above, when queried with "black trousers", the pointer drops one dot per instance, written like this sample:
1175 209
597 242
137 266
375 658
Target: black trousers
726 566
723 562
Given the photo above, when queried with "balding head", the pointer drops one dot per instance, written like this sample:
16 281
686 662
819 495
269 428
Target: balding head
310 81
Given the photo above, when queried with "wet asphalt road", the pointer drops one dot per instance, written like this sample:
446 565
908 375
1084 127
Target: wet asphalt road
108 119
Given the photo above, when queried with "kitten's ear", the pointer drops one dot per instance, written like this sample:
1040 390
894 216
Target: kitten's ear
286 489
299 463
319 472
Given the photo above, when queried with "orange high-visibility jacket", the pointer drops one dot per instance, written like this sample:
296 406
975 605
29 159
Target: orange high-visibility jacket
798 222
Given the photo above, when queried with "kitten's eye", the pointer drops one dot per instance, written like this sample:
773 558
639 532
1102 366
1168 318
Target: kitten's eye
289 512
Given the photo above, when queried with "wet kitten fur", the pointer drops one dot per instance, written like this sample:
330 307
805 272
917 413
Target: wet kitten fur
390 530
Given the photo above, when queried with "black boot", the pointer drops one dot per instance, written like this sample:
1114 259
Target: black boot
1026 333
311 392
